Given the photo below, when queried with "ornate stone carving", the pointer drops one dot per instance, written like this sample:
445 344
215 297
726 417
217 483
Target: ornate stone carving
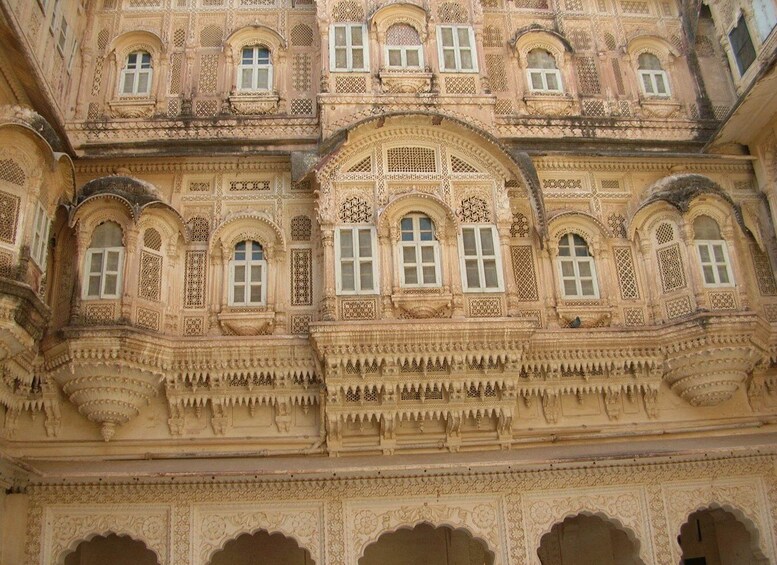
133 107
254 104
405 83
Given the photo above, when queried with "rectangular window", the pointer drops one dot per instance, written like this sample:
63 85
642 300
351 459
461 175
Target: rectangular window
356 259
742 46
545 80
481 264
713 257
456 46
654 83
404 57
54 18
63 32
40 238
103 272
348 50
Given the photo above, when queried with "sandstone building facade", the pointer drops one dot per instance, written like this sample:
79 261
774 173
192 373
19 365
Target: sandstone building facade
434 281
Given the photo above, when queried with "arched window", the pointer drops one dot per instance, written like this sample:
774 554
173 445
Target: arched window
713 253
403 47
136 74
255 70
248 275
419 252
542 71
103 263
652 76
576 268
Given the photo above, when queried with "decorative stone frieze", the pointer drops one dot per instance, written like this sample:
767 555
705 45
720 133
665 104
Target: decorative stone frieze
133 108
254 104
396 82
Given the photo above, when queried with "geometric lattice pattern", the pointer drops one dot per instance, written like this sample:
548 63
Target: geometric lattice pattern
152 239
358 310
11 172
211 36
520 225
627 278
722 301
617 224
147 319
209 65
670 265
301 228
562 184
9 216
411 160
301 277
301 107
6 265
764 274
300 324
96 314
523 272
664 234
485 307
150 276
347 11
194 282
587 76
460 85
492 36
355 210
633 317
248 185
461 166
363 166
635 7
199 230
678 307
352 84
193 326
474 210
451 13
301 77
301 36
497 74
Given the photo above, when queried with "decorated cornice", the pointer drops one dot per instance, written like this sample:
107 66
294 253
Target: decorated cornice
237 166
640 164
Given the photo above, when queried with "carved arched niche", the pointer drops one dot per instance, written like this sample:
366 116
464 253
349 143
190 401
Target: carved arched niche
402 80
140 106
536 37
595 311
248 320
667 55
430 302
256 102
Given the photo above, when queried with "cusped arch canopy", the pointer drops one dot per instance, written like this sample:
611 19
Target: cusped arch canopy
434 207
26 117
137 192
265 545
525 34
120 549
424 541
248 225
509 162
591 521
679 191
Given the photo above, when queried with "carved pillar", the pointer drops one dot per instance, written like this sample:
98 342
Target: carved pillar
608 281
172 298
280 80
548 264
739 272
694 268
511 289
329 301
162 80
277 293
386 262
84 87
449 249
131 270
82 244
217 294
651 276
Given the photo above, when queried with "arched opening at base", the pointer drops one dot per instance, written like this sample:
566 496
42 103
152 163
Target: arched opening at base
427 545
113 549
716 537
587 540
262 547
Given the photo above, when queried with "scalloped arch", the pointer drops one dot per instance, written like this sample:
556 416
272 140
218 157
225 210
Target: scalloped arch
130 41
436 525
47 154
757 541
575 221
248 225
169 215
269 531
535 36
654 44
88 214
255 35
400 12
617 524
441 214
122 532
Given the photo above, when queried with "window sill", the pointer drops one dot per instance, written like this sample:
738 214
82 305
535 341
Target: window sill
549 104
254 103
133 107
247 320
593 313
405 81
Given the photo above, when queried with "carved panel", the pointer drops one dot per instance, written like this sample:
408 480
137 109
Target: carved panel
301 277
670 266
485 307
96 314
193 326
194 281
217 524
627 278
678 307
358 309
9 216
764 273
67 526
723 300
148 319
150 276
523 272
367 519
